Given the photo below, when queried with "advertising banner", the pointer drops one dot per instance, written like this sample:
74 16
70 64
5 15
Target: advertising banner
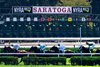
51 10
81 10
21 9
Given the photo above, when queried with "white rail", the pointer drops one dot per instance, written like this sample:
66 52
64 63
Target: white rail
49 53
97 38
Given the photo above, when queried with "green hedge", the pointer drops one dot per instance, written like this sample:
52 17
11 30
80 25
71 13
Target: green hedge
44 60
9 60
1 50
85 60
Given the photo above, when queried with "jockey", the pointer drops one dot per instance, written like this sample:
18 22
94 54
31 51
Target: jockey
90 45
61 48
42 47
80 47
16 46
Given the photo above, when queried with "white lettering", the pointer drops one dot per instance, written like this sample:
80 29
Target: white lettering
19 10
77 10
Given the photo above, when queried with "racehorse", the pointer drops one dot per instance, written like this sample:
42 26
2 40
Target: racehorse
84 49
8 49
35 50
54 49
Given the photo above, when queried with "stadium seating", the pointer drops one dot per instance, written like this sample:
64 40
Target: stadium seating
47 29
31 25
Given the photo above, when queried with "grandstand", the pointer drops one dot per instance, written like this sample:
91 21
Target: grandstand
12 25
44 25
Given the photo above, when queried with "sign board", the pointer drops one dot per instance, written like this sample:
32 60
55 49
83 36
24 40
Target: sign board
22 9
81 10
51 10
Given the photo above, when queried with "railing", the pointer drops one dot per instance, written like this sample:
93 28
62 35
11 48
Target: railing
58 54
84 38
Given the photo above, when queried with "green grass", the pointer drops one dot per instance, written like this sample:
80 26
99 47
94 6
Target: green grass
42 66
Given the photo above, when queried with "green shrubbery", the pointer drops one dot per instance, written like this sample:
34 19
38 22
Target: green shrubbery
75 60
1 50
9 60
85 60
44 60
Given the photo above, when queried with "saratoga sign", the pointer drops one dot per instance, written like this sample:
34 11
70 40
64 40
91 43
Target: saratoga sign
51 10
